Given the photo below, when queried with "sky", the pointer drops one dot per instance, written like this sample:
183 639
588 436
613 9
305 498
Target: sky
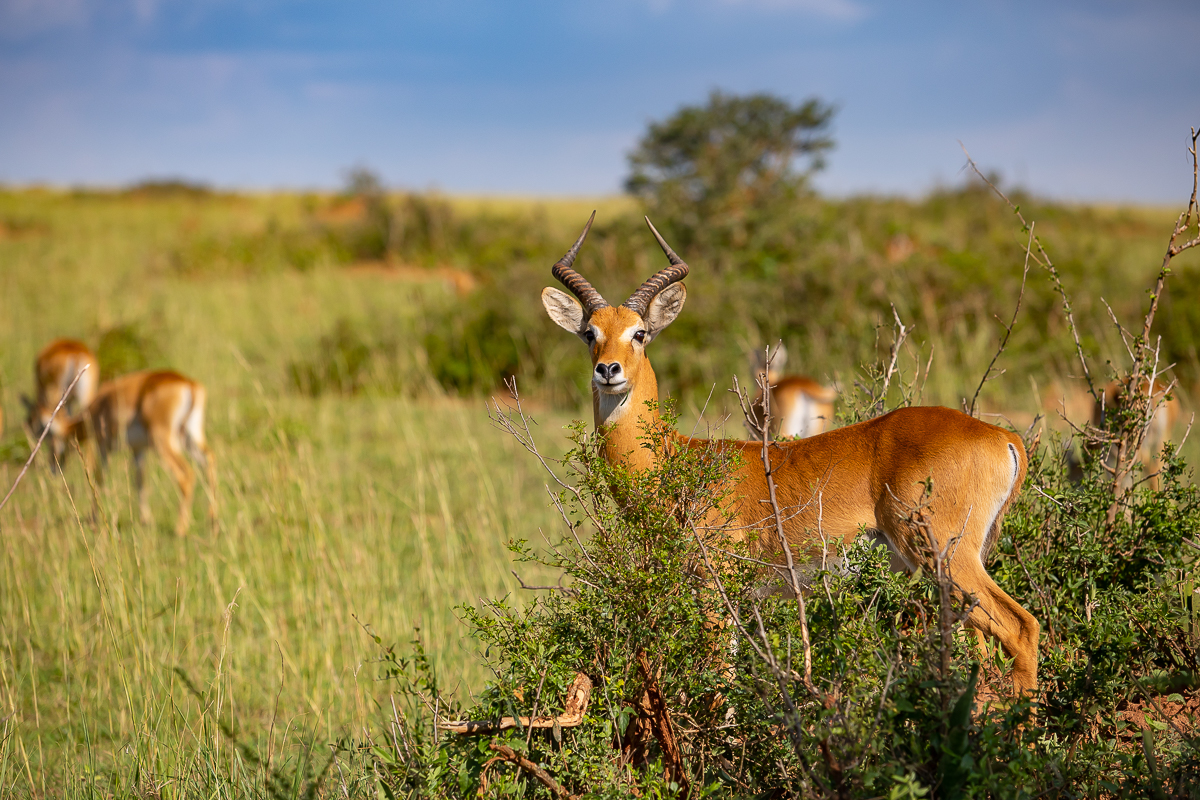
1088 100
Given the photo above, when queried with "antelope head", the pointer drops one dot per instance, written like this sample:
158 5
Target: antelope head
617 337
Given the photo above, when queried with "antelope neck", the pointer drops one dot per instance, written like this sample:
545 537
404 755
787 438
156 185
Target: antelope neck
624 418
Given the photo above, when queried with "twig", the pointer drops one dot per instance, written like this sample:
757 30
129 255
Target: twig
1008 329
901 334
558 588
45 430
1131 440
1042 258
537 698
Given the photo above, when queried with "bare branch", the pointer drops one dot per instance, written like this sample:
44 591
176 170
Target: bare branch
578 695
1042 259
1008 329
506 753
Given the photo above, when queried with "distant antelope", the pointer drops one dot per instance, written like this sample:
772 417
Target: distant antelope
55 367
869 476
1067 406
799 406
156 409
1166 411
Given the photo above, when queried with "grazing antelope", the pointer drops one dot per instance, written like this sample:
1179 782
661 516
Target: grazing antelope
865 476
1166 411
799 405
55 367
156 409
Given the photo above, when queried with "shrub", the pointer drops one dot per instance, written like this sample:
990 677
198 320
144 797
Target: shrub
898 704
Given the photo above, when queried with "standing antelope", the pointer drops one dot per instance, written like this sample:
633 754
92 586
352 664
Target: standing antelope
55 367
1166 411
156 409
865 476
798 405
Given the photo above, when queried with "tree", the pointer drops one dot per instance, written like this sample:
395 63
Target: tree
719 174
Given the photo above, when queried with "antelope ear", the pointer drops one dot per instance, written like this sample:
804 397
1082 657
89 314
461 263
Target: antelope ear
564 309
665 307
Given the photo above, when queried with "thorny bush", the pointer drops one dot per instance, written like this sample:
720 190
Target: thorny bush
884 716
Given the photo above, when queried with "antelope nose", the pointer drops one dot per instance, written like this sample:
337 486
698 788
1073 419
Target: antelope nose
607 372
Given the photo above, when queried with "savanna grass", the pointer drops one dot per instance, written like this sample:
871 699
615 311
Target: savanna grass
227 663
133 662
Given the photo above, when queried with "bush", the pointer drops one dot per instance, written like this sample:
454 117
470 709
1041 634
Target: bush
355 357
899 704
865 686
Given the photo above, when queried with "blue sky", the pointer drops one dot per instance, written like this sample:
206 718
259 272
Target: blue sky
1075 100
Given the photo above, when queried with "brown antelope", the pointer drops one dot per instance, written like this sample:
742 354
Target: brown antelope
865 476
1067 406
798 405
156 409
1166 411
59 363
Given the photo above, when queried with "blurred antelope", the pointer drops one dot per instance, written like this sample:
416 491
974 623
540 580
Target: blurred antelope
1162 420
55 367
830 487
156 409
799 406
1067 406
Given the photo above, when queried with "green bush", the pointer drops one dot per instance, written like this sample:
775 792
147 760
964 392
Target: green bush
895 709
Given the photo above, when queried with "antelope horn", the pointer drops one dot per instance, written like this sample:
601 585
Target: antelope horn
578 285
639 301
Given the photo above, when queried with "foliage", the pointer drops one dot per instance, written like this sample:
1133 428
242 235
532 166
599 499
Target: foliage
356 356
890 711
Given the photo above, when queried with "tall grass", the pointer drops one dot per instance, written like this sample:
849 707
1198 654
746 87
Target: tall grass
123 649
226 663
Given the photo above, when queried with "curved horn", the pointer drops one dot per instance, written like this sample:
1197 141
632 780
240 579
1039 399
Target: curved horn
578 285
639 301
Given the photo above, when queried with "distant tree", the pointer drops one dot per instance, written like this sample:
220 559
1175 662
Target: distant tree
376 235
718 173
363 182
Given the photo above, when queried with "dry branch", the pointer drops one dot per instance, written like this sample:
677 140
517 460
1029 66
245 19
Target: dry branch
578 696
506 753
1042 258
1008 329
655 708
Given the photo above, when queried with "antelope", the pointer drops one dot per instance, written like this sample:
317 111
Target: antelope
1162 420
157 409
56 366
869 476
798 405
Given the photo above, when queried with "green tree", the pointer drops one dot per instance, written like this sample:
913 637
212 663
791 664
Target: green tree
725 174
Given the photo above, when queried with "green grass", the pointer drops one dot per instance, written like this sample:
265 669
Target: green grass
336 512
123 649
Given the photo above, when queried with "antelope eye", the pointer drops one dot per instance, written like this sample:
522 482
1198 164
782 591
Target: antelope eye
589 335
640 337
